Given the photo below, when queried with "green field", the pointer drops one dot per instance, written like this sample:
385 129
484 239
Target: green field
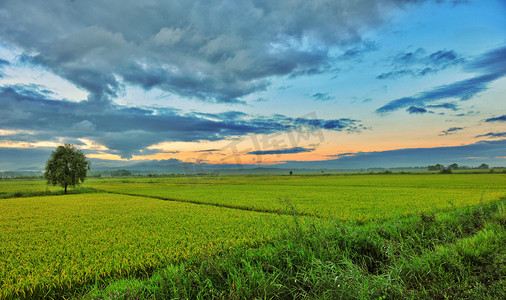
60 242
348 197
64 245
9 187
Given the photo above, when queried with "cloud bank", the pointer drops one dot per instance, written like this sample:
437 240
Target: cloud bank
490 65
497 119
490 152
282 151
416 110
451 130
417 64
212 50
322 96
127 130
493 135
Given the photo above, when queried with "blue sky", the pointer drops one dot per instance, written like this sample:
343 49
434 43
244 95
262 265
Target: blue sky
256 82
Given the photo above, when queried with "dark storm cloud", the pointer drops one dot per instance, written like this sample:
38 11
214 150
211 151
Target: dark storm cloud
497 119
127 130
282 151
213 50
492 66
418 64
492 134
451 130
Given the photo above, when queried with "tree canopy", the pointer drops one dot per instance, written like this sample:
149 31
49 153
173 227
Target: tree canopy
436 167
67 166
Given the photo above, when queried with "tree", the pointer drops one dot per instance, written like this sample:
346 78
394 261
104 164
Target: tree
436 167
453 166
446 171
483 166
66 166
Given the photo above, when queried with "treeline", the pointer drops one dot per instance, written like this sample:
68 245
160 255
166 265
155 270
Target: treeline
440 167
448 170
20 174
116 173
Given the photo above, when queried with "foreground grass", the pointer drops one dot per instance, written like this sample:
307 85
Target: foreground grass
454 254
56 246
123 246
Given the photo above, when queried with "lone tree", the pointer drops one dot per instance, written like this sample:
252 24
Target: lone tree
66 166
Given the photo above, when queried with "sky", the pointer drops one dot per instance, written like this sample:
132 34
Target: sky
345 83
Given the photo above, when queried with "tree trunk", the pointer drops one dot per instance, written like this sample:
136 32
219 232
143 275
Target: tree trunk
65 189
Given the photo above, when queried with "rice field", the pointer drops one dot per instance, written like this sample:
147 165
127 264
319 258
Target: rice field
346 197
10 187
63 244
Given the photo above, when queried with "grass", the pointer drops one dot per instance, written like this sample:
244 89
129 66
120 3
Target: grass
347 197
35 193
331 236
456 254
54 246
11 187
